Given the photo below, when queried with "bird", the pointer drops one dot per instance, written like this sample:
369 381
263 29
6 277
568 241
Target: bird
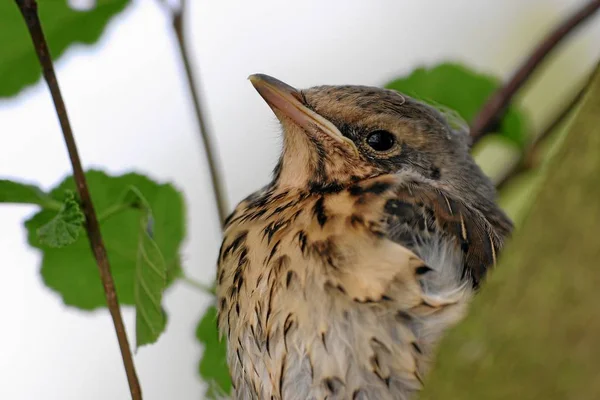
338 279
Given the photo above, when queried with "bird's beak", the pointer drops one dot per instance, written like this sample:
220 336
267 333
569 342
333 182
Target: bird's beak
288 101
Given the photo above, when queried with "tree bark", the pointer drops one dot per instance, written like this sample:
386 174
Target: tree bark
534 330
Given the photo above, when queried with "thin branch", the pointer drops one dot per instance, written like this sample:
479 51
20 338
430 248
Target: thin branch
198 285
528 160
177 16
563 114
29 10
113 210
496 105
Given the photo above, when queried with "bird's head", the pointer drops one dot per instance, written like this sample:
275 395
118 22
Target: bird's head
336 135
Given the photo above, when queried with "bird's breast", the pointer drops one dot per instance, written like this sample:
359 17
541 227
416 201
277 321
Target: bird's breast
316 301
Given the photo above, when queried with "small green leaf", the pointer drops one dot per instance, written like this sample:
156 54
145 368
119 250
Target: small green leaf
72 271
463 90
150 277
213 366
150 282
64 228
63 27
22 193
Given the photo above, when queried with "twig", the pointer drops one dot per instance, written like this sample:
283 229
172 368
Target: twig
113 210
528 159
496 105
198 285
563 114
177 16
29 10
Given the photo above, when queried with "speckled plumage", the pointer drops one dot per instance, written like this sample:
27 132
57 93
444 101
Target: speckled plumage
337 279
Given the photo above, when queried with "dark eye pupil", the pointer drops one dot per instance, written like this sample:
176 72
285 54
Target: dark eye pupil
381 140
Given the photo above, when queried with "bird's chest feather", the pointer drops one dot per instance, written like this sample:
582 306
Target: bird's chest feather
327 295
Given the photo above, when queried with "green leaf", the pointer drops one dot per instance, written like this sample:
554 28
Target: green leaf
72 271
461 89
63 27
23 193
213 366
64 228
150 282
150 277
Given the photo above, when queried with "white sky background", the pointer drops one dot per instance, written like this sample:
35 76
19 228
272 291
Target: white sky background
130 110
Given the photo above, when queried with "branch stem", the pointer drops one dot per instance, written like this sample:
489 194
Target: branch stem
528 160
49 203
113 210
28 9
193 84
198 285
497 104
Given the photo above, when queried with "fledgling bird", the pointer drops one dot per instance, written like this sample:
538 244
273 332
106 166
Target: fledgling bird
337 279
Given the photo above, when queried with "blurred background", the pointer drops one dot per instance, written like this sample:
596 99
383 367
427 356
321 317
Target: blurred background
131 110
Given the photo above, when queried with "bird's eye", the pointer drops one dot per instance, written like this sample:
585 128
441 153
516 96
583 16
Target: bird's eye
381 140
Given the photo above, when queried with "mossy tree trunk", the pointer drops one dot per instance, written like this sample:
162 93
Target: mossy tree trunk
534 330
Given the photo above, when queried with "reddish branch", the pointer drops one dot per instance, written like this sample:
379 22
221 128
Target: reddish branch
529 159
495 107
29 10
177 17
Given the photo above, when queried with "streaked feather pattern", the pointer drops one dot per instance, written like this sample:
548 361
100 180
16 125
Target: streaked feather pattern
344 294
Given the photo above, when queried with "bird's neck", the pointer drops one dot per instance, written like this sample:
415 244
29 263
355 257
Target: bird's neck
309 165
296 166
